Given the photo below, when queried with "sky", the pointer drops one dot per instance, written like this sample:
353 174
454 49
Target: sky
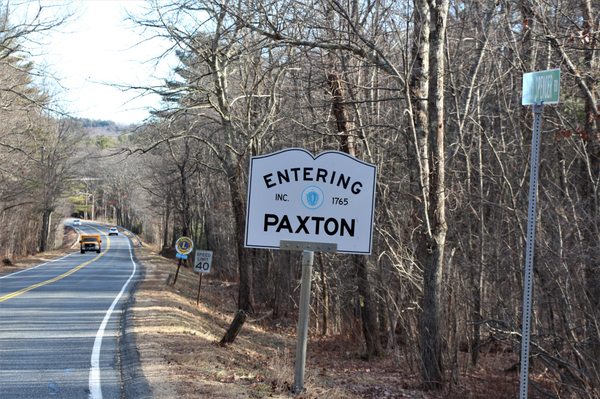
98 48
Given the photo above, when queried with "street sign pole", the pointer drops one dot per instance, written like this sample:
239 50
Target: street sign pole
539 88
199 285
307 264
308 256
529 250
177 272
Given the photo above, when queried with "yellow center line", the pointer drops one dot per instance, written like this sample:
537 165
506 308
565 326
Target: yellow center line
57 278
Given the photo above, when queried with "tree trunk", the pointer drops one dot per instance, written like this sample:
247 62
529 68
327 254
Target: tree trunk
245 291
234 328
367 308
431 345
45 231
165 238
476 316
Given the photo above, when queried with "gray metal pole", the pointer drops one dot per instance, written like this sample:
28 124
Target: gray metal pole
529 251
307 263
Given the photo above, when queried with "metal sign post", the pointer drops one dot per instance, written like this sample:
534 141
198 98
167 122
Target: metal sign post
199 286
530 248
539 88
307 264
308 254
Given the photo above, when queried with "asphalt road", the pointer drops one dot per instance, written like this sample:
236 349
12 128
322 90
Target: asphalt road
59 324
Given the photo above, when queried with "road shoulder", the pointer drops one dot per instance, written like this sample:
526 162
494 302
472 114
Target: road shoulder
133 382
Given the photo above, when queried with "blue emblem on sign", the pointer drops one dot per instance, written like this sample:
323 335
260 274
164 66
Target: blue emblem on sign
312 197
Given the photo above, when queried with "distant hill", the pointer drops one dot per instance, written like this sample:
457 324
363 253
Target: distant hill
96 127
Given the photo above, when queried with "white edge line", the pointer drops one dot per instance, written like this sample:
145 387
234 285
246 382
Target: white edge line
35 267
94 380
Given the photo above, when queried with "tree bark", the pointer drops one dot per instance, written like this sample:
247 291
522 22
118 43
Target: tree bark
431 345
246 289
367 308
167 215
45 231
235 328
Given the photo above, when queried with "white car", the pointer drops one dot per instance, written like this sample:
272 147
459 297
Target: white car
76 222
113 231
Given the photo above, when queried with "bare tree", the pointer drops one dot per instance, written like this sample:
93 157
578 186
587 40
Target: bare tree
231 119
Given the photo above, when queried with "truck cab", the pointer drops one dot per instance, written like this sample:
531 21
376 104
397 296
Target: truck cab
90 242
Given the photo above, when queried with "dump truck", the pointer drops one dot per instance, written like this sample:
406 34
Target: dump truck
90 242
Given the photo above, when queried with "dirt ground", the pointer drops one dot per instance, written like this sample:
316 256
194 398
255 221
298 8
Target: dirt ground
177 342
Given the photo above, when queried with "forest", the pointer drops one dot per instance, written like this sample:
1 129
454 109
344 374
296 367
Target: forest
427 90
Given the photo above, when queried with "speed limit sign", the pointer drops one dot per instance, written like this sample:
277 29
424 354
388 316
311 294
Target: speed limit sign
203 261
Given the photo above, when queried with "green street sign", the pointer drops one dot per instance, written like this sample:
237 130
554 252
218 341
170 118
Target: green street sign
541 87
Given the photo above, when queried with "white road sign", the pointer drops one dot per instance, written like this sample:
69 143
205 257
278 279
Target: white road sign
295 196
203 261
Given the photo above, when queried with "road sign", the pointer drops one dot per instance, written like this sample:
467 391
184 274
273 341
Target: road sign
184 245
295 196
541 87
203 261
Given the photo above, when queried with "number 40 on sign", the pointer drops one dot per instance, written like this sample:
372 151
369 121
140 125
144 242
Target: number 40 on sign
203 261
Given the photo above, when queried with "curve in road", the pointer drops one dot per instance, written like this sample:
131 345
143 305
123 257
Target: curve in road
59 323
